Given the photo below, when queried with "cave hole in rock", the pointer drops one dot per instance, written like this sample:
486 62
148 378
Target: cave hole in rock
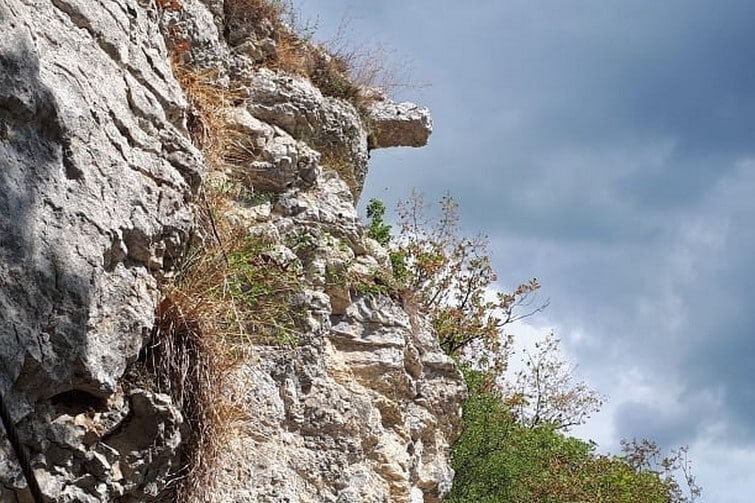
75 402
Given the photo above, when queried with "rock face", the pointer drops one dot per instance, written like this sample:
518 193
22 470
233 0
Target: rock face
97 172
97 182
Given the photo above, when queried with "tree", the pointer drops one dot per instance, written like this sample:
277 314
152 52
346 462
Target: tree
545 391
452 279
513 447
645 456
498 459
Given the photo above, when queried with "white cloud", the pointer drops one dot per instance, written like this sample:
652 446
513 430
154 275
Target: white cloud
724 471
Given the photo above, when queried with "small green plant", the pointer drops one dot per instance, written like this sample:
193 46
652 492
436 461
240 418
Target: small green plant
398 264
231 188
377 229
380 231
377 284
260 289
301 243
336 275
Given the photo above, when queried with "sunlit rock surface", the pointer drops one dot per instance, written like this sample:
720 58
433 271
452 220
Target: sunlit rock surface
97 190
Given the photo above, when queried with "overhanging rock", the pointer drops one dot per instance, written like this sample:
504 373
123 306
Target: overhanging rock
399 125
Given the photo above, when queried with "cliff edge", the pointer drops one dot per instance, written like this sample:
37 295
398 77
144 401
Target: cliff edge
190 306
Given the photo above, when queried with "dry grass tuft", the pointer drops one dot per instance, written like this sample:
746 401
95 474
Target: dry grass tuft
228 297
254 11
331 74
372 68
182 364
235 290
246 287
224 147
208 101
339 69
231 292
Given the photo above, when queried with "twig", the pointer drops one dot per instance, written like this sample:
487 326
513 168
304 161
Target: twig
18 448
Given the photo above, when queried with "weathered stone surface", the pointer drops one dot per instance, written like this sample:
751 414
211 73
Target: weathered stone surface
342 420
193 35
96 187
366 409
125 446
266 157
399 125
329 125
96 174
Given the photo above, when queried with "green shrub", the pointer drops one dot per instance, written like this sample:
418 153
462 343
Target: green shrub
499 460
513 448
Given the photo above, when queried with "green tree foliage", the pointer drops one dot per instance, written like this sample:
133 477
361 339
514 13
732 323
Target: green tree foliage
499 460
513 448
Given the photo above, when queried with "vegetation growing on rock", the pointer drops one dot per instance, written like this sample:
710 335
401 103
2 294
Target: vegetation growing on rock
500 459
280 266
218 325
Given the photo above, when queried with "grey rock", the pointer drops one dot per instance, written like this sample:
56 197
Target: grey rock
97 173
266 157
399 125
344 420
331 126
193 35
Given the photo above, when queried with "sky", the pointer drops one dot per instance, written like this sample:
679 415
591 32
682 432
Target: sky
607 148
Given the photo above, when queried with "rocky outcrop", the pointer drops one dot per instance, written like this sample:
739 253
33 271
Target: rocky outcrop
399 124
99 175
365 409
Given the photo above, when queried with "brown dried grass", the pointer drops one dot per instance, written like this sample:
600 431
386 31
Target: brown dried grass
228 294
226 297
340 69
208 101
254 11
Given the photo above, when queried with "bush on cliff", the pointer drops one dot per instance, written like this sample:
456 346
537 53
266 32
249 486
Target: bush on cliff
450 278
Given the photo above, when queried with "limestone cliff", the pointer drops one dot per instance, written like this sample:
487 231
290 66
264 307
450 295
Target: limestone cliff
110 113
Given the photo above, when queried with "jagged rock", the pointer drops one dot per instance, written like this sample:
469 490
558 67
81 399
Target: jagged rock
96 208
265 156
194 35
399 125
328 206
344 421
329 125
127 446
97 172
